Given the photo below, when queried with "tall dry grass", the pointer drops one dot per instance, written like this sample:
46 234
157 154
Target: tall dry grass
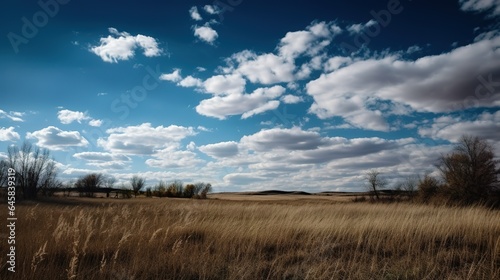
215 239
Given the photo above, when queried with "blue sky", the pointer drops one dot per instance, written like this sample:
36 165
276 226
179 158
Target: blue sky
249 95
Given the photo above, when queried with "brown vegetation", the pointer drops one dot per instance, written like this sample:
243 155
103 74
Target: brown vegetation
169 238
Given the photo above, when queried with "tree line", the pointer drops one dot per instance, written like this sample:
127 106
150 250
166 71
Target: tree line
36 174
469 174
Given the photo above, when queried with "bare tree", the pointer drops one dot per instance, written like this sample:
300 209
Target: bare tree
137 184
4 167
207 188
109 181
375 182
470 171
410 185
89 183
34 169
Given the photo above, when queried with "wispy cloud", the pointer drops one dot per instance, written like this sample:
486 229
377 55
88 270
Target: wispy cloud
13 116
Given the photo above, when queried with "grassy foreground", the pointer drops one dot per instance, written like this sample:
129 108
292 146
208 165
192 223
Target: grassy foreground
219 239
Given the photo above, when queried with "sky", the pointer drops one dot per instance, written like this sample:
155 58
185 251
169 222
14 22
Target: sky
249 95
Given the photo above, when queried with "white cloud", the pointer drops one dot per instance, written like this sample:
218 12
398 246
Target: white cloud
462 78
310 41
413 49
221 149
13 116
8 134
225 84
104 160
211 9
291 99
204 129
283 139
336 62
357 28
54 138
122 45
265 69
304 159
171 157
143 139
193 12
268 106
95 123
172 77
206 34
492 7
68 116
191 146
486 125
257 102
190 81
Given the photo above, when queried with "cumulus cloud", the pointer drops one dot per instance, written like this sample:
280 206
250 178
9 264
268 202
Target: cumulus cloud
8 134
190 81
291 99
68 116
336 62
294 158
206 34
283 139
225 84
171 157
221 149
122 46
143 139
247 105
310 41
193 12
492 7
460 79
211 9
172 77
264 69
54 138
95 123
450 128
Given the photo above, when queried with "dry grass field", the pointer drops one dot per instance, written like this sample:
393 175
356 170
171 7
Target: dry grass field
261 238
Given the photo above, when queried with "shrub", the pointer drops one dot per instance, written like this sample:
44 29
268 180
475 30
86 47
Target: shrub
428 187
469 171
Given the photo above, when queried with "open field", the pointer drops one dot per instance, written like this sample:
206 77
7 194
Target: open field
256 237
